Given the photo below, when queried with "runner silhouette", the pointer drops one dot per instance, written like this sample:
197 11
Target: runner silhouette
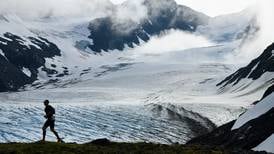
50 122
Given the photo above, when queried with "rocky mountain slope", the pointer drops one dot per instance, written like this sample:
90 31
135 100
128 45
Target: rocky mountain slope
252 130
112 33
257 75
256 69
21 59
65 46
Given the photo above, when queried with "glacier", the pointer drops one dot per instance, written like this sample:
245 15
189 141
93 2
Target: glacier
113 99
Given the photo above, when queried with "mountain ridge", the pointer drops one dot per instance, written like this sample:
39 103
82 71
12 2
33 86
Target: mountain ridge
17 55
106 36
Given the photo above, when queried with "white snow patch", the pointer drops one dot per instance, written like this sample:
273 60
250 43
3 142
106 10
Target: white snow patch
252 89
262 107
266 145
2 53
225 27
6 38
42 75
15 26
26 71
5 43
253 69
28 43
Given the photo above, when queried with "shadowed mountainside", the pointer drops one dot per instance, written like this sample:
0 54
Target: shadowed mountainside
111 33
248 136
21 59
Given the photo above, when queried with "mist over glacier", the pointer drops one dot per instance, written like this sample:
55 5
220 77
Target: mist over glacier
265 36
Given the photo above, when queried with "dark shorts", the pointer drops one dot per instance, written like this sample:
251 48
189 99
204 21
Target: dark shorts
49 123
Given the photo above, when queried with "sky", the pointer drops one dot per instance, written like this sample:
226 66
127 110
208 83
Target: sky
79 7
213 7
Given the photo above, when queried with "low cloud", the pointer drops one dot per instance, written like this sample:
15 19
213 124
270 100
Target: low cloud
172 40
131 10
254 47
128 15
45 8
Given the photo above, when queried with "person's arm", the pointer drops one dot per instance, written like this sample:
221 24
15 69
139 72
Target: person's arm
49 113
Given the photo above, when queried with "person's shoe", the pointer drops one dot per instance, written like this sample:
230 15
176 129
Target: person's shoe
41 141
60 141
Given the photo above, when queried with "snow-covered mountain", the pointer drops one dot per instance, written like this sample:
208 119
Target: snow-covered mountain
74 40
71 39
112 32
252 130
237 26
134 95
253 78
21 59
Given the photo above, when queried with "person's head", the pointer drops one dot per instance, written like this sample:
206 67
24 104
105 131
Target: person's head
46 102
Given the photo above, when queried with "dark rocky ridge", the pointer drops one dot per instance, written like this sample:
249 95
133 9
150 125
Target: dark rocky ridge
168 15
264 63
269 91
197 124
246 137
16 55
3 18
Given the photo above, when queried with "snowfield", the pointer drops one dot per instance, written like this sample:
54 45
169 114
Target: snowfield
267 145
258 110
86 122
128 97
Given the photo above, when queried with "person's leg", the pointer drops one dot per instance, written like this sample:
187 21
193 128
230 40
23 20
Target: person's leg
53 130
44 129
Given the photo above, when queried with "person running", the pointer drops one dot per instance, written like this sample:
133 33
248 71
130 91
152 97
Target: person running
50 122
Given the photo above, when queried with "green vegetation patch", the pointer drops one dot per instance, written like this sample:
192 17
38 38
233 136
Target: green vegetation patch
110 148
